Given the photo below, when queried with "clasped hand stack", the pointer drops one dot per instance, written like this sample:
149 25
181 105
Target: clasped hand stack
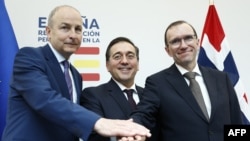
125 130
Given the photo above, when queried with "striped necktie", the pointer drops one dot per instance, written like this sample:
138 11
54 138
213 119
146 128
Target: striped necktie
67 77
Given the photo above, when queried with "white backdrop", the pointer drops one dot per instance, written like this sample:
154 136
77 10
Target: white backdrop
144 22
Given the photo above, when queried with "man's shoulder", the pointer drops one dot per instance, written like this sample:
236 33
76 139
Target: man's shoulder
95 88
28 49
212 70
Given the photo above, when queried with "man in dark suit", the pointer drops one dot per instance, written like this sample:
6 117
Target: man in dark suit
168 99
40 106
108 99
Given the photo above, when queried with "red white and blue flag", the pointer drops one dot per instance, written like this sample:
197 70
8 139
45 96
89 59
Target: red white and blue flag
8 50
215 53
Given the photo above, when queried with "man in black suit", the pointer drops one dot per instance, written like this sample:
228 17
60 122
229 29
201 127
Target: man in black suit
168 99
108 99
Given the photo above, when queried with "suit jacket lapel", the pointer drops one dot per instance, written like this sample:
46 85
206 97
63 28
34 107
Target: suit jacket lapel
211 84
77 80
117 94
178 82
56 70
139 91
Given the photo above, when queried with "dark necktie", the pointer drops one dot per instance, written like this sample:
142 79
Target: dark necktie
67 77
195 88
131 100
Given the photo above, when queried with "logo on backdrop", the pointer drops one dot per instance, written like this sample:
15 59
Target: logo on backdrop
91 42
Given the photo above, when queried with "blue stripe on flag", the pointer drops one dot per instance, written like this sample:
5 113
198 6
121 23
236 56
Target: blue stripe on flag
204 60
8 49
230 68
229 65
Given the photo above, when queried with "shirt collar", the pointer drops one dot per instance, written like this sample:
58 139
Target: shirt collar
122 87
58 56
183 70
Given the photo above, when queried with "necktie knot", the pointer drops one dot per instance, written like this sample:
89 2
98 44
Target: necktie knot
131 100
129 92
65 64
190 75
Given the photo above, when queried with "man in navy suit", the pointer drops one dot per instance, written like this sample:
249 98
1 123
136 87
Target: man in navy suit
168 99
40 107
108 99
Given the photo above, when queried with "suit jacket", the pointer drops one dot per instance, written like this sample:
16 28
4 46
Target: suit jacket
168 100
108 101
39 108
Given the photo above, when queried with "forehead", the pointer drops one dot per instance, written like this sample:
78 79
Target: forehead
179 30
122 47
67 15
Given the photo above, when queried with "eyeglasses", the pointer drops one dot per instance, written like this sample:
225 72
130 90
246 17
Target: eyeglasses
188 39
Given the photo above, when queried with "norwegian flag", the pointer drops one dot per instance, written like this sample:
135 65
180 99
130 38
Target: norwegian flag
215 53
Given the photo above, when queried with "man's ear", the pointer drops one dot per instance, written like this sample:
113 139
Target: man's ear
198 42
168 52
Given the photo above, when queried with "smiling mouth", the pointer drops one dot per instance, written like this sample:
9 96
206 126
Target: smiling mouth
185 52
71 43
124 69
